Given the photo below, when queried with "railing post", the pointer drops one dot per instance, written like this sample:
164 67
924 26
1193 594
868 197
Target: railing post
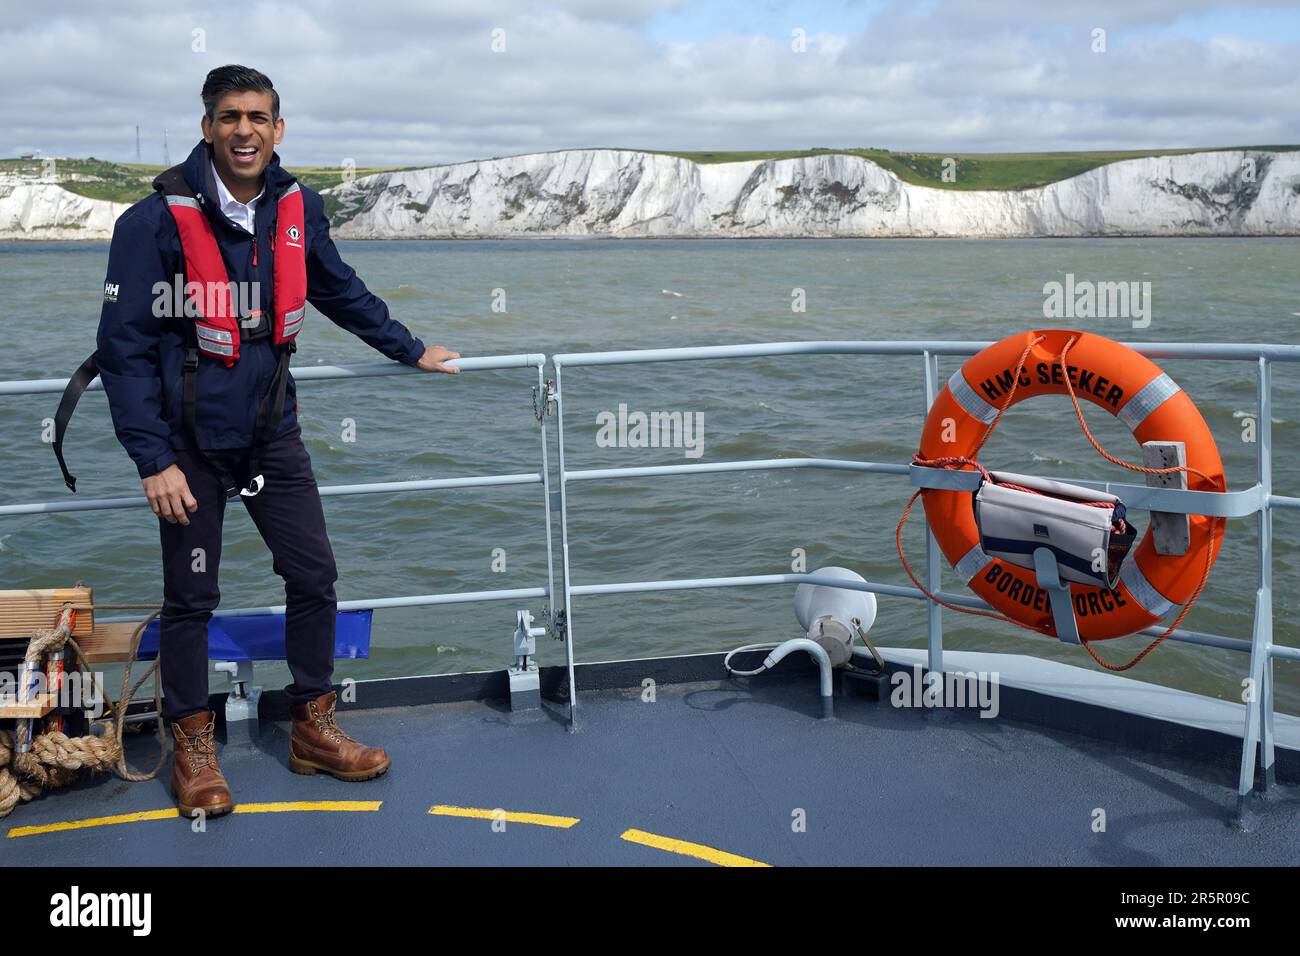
564 549
1265 436
1259 702
933 613
552 612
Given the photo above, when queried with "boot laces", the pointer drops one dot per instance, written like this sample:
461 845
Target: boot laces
326 725
199 748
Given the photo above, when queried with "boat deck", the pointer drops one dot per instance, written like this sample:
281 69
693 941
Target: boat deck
710 772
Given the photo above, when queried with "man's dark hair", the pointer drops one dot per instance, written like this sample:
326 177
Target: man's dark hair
237 79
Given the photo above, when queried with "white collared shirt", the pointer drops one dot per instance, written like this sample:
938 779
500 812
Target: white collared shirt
241 214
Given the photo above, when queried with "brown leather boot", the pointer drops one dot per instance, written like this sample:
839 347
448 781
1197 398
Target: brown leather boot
197 783
317 743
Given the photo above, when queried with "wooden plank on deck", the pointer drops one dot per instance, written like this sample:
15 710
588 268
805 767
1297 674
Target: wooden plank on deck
109 643
23 613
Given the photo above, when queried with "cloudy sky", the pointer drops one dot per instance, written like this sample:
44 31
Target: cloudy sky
394 81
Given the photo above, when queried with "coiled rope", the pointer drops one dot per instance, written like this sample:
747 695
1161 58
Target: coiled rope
55 759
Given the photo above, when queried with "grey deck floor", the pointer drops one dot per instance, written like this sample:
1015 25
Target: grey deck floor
725 765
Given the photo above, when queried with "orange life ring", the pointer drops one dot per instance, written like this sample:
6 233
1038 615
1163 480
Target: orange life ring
1136 391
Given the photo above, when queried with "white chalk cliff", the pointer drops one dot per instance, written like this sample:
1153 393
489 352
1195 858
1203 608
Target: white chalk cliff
35 209
624 193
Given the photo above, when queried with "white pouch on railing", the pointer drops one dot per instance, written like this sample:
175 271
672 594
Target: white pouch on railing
1013 524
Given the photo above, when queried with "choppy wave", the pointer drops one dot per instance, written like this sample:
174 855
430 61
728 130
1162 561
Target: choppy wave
1240 413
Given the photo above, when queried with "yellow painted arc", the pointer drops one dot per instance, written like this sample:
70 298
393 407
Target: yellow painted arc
510 816
288 806
686 848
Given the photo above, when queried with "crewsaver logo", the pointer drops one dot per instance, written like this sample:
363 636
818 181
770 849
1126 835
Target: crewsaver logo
110 291
293 234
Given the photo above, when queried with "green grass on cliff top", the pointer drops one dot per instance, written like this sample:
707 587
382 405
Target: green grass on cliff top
127 182
973 170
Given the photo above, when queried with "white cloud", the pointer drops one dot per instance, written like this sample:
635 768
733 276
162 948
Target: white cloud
385 82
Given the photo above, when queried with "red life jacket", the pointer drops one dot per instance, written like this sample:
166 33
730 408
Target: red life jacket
207 285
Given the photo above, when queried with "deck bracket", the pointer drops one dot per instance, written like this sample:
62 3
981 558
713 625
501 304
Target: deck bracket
525 679
242 726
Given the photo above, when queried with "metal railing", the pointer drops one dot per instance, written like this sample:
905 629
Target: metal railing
1259 500
335 373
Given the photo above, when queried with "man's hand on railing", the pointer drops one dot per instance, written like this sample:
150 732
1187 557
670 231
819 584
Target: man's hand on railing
433 358
169 495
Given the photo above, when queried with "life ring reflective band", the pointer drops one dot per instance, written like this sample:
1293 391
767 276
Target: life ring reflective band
1137 392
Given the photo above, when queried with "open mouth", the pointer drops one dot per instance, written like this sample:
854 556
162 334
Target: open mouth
244 155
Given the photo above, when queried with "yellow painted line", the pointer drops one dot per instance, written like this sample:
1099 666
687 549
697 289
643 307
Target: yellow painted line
173 813
95 822
289 806
510 816
697 850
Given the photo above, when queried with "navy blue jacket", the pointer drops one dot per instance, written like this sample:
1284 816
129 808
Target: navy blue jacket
141 355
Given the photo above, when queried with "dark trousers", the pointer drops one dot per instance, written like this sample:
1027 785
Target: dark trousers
289 516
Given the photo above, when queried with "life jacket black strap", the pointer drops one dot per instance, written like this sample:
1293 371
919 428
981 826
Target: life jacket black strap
270 413
77 386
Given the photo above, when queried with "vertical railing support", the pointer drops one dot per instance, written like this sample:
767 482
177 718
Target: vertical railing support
933 569
1258 732
552 612
1265 520
564 550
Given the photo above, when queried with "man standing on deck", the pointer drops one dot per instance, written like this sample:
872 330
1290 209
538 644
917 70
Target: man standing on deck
204 404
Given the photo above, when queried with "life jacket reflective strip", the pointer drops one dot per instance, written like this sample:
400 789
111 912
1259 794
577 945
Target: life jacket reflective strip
207 284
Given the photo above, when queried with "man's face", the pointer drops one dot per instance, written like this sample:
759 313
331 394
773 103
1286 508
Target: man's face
243 136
